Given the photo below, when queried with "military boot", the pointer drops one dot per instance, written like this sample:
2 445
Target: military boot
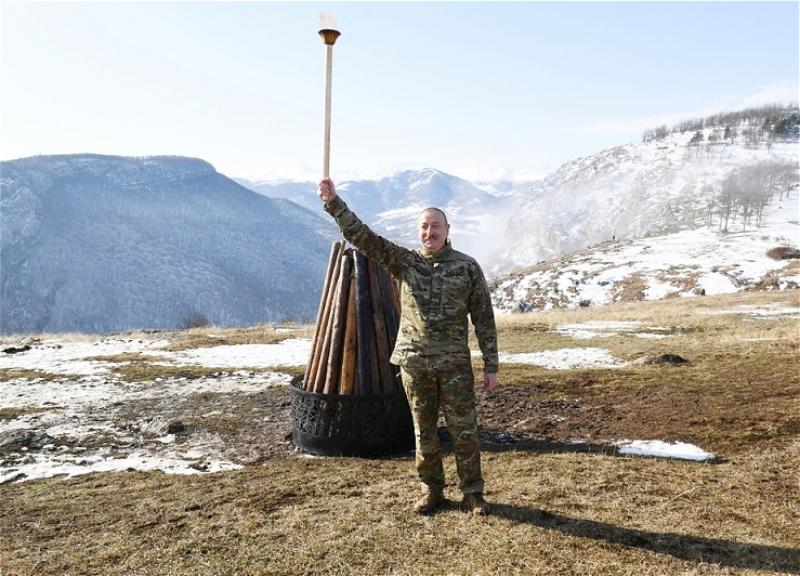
475 503
432 498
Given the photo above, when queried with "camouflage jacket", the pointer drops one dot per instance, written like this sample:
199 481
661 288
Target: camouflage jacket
437 294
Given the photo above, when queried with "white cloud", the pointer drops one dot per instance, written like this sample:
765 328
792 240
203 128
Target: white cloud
785 92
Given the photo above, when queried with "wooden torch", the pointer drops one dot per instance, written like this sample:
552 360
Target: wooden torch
329 35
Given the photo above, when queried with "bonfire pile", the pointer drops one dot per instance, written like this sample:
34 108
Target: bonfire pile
356 328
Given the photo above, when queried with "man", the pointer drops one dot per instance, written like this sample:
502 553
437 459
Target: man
439 290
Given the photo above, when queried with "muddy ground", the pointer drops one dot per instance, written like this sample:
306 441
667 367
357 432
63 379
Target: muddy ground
564 415
217 425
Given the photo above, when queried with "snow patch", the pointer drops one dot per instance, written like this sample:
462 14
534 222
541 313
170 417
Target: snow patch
662 449
566 358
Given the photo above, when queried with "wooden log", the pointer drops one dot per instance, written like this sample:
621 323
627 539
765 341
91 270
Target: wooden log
317 379
398 303
382 350
334 368
323 316
392 315
374 372
336 248
390 309
363 324
350 348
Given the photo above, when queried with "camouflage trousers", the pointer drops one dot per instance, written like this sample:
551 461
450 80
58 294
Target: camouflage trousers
453 389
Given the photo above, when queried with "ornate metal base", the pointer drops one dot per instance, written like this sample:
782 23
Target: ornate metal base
351 425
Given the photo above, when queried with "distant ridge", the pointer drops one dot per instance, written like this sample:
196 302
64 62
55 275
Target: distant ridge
94 243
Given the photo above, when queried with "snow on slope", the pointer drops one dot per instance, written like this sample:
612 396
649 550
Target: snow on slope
686 263
632 191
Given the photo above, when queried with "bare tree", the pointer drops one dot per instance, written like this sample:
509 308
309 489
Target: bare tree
787 178
726 201
752 185
708 191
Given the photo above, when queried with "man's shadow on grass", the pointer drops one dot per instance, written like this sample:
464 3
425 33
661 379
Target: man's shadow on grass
686 547
693 548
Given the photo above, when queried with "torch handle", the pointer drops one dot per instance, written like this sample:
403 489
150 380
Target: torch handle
326 154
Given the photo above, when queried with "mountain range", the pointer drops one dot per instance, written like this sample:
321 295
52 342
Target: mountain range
391 205
98 244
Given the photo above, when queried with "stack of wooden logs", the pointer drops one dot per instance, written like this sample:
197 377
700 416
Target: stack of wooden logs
355 330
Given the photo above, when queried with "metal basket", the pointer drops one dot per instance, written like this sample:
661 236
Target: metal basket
351 425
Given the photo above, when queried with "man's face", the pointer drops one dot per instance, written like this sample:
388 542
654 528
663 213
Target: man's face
433 228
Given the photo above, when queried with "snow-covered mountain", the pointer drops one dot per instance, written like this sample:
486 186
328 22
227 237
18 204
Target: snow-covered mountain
679 182
700 211
391 205
686 263
99 243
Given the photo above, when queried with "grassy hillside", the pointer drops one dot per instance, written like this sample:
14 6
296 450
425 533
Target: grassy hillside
565 500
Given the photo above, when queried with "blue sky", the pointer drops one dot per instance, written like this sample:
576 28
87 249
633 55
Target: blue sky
477 89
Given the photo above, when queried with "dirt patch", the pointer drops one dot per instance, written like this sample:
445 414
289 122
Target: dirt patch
586 411
551 416
243 428
582 411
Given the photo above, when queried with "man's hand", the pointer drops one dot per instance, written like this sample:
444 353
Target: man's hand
489 381
326 191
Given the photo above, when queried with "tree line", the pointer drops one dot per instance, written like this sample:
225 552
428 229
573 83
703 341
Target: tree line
745 191
750 126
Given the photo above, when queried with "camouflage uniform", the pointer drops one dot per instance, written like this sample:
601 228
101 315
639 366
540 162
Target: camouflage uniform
437 293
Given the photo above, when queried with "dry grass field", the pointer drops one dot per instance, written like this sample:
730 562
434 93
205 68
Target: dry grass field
565 501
